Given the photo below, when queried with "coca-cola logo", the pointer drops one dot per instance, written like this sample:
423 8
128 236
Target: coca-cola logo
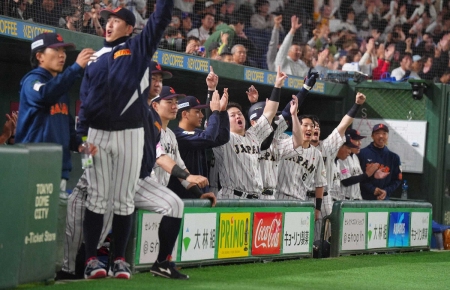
268 236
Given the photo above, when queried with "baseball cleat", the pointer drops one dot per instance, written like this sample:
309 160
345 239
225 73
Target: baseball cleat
167 269
94 269
120 269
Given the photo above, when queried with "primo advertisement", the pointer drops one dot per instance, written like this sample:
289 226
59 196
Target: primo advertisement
234 235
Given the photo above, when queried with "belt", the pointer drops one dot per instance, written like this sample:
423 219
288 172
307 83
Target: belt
312 193
246 195
353 199
267 192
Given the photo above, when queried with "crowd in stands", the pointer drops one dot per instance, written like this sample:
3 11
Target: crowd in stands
383 39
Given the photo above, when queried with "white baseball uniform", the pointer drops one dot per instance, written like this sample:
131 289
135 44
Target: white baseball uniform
348 168
238 164
300 174
282 147
213 177
329 149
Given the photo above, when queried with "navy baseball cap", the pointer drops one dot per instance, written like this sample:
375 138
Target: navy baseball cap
348 142
190 102
123 13
354 134
155 68
380 127
256 110
167 93
51 40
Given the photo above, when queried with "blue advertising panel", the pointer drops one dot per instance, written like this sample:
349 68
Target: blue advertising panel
399 226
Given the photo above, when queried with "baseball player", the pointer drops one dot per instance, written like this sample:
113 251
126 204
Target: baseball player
279 148
329 148
303 177
350 171
237 160
193 141
112 117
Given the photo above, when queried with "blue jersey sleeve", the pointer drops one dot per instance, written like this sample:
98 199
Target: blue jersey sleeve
49 92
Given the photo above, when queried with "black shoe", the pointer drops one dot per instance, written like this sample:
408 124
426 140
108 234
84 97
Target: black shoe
63 275
167 269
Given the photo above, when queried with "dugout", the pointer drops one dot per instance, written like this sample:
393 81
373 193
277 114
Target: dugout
330 101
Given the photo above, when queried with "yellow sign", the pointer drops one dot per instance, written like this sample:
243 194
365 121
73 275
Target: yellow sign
234 235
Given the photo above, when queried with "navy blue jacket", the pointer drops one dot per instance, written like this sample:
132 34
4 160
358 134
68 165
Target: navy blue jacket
152 135
44 111
389 162
112 91
192 146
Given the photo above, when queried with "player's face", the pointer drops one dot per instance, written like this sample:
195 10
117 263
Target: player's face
357 143
116 28
156 85
167 109
195 117
343 152
237 121
380 138
316 134
307 129
52 59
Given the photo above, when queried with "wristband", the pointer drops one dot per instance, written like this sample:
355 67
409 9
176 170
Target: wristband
196 191
185 183
318 203
353 110
179 173
275 96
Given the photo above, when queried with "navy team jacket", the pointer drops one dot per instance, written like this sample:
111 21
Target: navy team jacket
192 146
44 111
112 90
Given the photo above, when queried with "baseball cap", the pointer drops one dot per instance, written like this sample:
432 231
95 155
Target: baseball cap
348 142
51 40
185 15
120 12
208 4
354 134
256 110
380 127
416 57
167 93
191 102
213 45
155 68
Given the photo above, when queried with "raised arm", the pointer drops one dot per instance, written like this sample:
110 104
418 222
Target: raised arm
348 118
272 104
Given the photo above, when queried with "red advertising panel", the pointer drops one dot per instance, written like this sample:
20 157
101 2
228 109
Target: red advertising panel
267 228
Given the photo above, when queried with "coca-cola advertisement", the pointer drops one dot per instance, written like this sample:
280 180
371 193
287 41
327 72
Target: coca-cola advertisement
267 228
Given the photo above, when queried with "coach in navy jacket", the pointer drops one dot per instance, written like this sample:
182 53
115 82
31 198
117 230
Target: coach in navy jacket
388 177
44 100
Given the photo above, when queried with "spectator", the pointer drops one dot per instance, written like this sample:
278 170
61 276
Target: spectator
262 19
71 18
92 22
193 45
417 64
184 5
404 71
320 38
19 10
9 129
444 79
227 11
176 22
47 13
227 57
239 53
289 55
172 40
322 62
204 31
384 61
389 175
349 23
186 24
214 50
273 44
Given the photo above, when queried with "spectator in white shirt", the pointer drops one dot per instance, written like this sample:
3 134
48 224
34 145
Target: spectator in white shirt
404 71
204 31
